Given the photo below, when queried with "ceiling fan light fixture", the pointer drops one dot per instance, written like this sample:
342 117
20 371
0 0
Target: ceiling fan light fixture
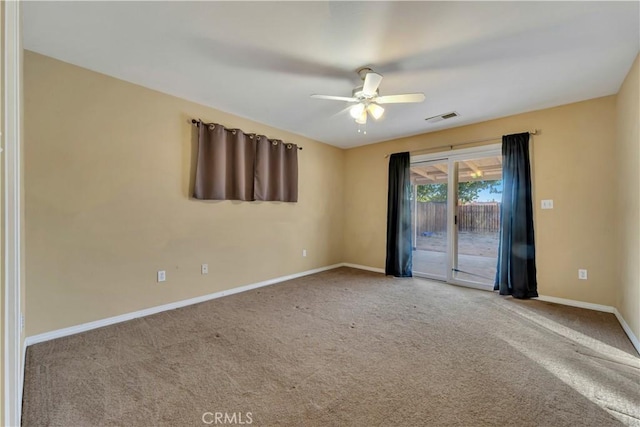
356 110
365 100
362 120
375 110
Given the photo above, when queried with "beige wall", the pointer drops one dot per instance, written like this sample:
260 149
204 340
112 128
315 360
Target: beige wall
107 184
627 152
572 164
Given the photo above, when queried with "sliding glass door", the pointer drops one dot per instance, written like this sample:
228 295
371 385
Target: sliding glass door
430 184
456 215
477 219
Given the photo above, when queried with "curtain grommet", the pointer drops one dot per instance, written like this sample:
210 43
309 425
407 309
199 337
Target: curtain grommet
274 142
212 127
233 131
289 146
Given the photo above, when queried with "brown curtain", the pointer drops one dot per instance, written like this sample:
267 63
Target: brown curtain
225 165
276 171
232 165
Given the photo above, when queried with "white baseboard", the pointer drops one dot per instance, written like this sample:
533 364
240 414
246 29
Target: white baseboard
579 304
59 333
627 329
597 307
363 267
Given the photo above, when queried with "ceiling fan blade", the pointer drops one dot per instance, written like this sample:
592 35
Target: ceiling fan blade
335 98
371 83
397 99
263 59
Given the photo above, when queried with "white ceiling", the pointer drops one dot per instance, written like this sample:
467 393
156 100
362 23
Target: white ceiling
262 60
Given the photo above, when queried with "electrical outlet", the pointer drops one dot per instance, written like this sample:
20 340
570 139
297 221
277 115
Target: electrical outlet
304 252
582 274
547 204
205 268
162 276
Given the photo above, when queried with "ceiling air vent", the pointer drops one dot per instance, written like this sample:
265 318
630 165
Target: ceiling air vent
441 117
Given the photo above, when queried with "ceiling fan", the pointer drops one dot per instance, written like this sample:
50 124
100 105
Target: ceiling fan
367 98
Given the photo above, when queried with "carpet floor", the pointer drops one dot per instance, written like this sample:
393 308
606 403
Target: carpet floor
343 348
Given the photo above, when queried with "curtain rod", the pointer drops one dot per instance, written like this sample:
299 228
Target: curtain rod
198 121
450 146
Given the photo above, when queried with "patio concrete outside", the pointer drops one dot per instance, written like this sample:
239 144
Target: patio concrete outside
477 254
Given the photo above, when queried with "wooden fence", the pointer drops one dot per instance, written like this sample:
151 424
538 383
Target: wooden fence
480 218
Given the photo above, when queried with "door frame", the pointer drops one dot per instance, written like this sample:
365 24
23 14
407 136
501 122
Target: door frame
13 352
452 157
